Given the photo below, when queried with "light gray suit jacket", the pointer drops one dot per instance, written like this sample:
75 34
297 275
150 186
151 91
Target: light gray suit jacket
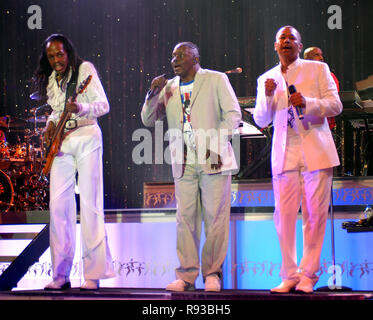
215 113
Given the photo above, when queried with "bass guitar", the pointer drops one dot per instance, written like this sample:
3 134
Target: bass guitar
55 143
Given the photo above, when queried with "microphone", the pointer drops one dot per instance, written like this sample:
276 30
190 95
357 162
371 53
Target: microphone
153 92
297 108
42 107
236 70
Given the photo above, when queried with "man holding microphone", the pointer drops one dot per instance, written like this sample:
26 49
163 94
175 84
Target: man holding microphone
297 96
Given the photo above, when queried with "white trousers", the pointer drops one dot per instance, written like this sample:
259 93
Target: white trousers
80 152
313 190
208 196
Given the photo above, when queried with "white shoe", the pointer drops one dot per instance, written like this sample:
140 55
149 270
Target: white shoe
90 285
212 283
60 283
179 286
305 285
285 286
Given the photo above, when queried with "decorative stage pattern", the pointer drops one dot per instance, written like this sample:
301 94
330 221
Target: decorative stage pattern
144 256
351 191
350 269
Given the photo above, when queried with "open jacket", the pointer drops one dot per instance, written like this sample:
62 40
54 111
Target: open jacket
215 113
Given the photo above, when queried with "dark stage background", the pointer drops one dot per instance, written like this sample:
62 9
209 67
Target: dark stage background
130 42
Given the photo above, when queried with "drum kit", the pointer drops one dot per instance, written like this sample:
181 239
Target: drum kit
22 187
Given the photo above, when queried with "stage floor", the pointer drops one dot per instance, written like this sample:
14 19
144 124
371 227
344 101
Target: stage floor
161 294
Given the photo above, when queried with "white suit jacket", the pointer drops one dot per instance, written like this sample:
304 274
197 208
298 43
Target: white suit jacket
313 80
215 113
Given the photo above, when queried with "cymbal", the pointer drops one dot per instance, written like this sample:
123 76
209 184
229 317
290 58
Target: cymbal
40 119
35 96
14 122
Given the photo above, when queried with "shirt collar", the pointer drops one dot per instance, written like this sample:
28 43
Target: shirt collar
53 77
293 65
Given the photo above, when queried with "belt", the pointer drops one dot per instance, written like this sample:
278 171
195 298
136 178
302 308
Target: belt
73 123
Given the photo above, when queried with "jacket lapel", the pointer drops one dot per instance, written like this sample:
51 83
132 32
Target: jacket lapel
177 108
198 81
282 95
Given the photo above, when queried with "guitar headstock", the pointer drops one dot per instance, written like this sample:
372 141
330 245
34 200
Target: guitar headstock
84 84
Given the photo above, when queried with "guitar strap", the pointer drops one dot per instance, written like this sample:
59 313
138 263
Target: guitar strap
70 90
71 86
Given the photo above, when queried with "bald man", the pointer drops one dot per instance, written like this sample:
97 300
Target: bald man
316 54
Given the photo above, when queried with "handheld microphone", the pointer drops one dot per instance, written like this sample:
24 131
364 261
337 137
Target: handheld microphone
236 70
299 110
153 92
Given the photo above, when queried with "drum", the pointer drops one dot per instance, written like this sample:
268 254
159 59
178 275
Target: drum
19 151
4 150
6 192
4 155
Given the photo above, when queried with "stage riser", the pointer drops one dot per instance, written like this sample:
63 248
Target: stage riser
143 240
144 255
346 192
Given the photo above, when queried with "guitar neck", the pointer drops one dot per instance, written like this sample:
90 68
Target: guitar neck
74 95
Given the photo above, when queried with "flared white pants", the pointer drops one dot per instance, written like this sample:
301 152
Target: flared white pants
312 190
81 152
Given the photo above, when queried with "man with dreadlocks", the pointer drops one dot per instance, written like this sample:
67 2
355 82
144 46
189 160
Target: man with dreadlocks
81 152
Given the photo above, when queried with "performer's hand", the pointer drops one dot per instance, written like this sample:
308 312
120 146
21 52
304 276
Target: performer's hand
296 99
72 106
270 87
48 133
157 85
215 159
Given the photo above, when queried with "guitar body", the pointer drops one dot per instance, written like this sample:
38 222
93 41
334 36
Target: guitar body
54 147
